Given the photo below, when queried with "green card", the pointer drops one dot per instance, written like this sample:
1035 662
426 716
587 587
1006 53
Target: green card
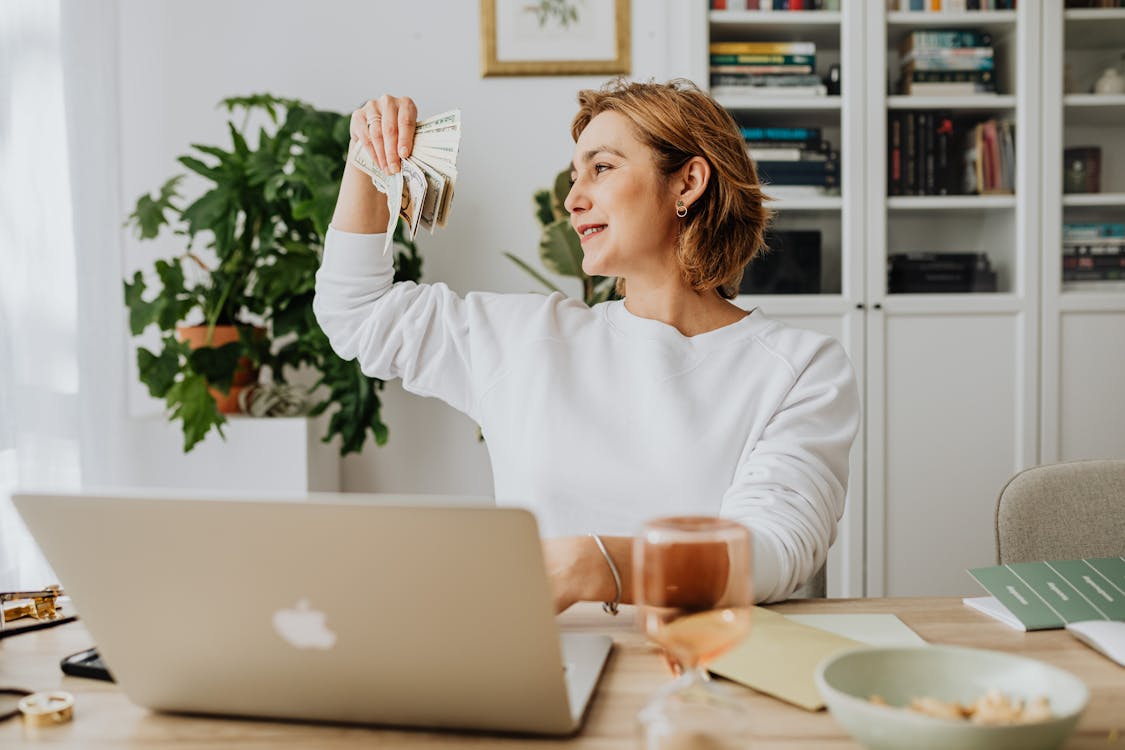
1050 594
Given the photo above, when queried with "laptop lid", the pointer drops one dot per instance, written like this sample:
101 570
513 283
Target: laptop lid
352 611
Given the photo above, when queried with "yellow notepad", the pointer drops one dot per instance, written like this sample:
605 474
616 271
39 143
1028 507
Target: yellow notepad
780 658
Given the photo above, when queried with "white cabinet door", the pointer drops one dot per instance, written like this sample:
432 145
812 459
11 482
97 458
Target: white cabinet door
950 432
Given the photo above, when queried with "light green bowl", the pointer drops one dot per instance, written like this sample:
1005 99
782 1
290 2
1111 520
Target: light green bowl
898 675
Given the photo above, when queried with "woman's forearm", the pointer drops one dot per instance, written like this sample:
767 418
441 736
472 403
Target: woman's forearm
360 207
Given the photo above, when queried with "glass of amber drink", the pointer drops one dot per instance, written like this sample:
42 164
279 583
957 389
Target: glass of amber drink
693 593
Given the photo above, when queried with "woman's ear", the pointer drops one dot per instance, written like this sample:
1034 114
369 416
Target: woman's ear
693 179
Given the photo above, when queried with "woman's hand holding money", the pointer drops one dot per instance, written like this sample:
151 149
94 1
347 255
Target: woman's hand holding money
413 163
360 208
385 126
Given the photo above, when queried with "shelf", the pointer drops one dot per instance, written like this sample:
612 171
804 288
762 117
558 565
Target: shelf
1115 200
1095 28
821 27
1076 296
826 203
780 103
950 202
979 101
1094 109
952 304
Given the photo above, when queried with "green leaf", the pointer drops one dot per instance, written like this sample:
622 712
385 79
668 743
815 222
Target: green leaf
561 191
159 373
195 165
149 215
533 273
141 313
560 249
210 211
191 402
544 210
217 364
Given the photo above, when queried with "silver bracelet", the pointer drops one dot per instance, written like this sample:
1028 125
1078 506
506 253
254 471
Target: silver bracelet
610 607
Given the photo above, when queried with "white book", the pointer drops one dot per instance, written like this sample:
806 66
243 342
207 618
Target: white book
992 607
770 92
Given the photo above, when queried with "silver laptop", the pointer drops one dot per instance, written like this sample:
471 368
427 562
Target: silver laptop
342 608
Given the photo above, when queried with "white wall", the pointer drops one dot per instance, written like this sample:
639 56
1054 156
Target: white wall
159 68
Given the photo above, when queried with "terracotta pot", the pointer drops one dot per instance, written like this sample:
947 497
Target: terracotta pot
244 374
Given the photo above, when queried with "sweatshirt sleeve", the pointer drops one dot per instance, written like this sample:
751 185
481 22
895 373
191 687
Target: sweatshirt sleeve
790 483
440 344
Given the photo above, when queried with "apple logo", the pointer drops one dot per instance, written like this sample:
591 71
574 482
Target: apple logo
303 627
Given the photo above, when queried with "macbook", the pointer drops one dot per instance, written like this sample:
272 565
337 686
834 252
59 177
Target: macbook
409 611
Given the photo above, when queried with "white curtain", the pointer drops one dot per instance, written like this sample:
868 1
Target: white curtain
39 374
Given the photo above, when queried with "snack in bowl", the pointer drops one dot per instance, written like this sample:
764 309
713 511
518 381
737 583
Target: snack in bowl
994 708
1050 700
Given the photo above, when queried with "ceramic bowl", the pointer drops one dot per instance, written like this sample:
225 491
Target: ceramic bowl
898 675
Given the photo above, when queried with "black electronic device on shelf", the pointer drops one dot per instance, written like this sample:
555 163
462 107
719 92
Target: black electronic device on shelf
790 265
929 273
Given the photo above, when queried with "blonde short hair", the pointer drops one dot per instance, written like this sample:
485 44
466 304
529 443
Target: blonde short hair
724 229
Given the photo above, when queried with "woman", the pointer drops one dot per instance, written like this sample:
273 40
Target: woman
672 401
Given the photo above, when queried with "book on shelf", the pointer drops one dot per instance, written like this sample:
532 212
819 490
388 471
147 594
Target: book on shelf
762 48
763 59
1093 259
1095 3
773 152
767 92
800 192
930 152
1050 594
800 137
770 5
1086 231
1082 169
943 39
950 6
950 58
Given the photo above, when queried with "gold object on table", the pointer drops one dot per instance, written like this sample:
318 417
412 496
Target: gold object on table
47 709
40 605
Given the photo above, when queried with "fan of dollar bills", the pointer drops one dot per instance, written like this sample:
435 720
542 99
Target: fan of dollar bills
422 191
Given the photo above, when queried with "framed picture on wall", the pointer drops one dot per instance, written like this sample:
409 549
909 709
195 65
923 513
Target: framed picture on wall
554 37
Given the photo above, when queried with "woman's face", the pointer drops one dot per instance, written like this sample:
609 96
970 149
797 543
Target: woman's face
620 205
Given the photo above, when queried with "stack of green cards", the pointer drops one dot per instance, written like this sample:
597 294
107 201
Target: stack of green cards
1044 595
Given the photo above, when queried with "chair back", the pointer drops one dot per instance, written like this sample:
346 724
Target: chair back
1062 511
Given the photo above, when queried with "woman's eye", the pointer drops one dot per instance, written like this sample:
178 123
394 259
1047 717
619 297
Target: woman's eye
599 168
573 179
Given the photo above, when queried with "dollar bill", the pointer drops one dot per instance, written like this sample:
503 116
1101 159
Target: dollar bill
421 193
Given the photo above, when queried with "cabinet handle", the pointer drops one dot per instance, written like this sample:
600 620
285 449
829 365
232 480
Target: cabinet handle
878 305
859 306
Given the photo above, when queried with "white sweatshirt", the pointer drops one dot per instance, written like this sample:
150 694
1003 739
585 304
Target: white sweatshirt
596 419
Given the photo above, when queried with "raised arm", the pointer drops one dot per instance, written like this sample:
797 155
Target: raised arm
385 127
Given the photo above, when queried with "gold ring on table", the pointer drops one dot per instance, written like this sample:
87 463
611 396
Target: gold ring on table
47 709
18 692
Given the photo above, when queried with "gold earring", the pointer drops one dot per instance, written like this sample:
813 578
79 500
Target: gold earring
681 209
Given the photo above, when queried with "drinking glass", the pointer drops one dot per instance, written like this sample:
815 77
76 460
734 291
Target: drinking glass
693 592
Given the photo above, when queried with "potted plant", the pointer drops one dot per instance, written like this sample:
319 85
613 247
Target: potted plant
244 300
559 247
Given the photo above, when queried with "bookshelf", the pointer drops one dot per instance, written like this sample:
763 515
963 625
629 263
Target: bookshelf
950 381
838 308
1083 322
952 377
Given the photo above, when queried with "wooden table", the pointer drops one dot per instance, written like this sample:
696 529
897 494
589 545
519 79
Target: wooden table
104 718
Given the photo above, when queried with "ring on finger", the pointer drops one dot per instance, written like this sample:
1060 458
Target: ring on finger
374 121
